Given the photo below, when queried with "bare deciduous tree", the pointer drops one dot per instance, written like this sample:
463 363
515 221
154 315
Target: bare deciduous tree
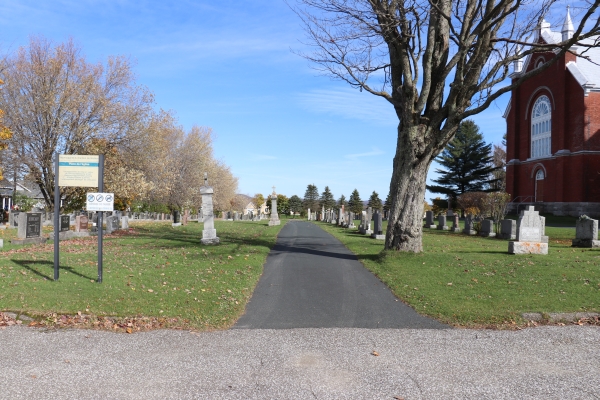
174 162
437 63
56 101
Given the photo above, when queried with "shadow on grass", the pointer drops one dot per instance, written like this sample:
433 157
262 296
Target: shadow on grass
178 237
28 264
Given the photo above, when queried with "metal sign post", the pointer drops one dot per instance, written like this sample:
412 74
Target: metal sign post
100 214
56 217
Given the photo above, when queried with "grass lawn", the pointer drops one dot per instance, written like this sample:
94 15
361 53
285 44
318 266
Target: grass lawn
473 281
154 276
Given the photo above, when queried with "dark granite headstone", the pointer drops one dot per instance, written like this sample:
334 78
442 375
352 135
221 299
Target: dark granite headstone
65 221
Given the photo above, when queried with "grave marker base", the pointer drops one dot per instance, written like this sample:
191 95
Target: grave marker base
527 248
585 243
38 240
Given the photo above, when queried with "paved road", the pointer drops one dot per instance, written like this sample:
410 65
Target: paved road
311 280
541 363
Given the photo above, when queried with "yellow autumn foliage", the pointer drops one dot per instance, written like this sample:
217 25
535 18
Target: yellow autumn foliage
5 134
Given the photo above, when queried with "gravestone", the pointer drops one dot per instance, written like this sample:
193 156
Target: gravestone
586 233
455 223
81 223
351 220
209 233
469 225
508 229
186 217
29 229
362 228
442 223
544 237
112 224
176 219
368 219
529 234
274 220
429 220
308 214
65 223
13 219
378 226
487 228
124 222
47 219
450 213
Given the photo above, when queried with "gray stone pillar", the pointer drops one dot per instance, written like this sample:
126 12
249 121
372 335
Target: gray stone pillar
274 220
209 233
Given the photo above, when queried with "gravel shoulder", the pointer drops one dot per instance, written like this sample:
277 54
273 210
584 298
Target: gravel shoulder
544 362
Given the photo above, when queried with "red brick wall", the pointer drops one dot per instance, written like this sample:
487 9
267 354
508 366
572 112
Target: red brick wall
575 127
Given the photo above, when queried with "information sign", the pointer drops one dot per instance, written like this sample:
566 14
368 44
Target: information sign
78 170
100 202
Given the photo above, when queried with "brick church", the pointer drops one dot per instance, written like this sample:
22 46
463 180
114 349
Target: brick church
553 131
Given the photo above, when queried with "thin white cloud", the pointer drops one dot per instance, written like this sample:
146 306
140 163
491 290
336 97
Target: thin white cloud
349 103
374 152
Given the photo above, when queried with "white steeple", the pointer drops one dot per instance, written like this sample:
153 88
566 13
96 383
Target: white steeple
518 64
567 29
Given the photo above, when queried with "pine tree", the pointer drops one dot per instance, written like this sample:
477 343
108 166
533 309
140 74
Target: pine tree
467 160
327 199
388 202
355 203
295 204
342 201
311 198
375 201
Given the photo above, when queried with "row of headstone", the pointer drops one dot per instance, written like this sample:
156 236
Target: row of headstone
527 235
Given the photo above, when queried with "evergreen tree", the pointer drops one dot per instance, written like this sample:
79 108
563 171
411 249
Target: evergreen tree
388 202
295 204
342 201
355 203
375 201
467 160
327 199
311 198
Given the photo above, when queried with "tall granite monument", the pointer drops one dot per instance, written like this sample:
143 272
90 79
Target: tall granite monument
209 233
274 216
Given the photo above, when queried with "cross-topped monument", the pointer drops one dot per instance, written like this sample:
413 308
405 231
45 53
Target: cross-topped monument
274 220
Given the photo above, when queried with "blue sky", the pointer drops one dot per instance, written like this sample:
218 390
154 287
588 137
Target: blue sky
229 65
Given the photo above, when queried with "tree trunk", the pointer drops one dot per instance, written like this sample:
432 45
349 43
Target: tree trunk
407 188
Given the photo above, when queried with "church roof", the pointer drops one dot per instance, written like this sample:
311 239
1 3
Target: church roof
586 68
587 72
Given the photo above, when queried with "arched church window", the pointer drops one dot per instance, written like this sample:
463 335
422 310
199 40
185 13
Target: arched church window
539 176
539 62
541 128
